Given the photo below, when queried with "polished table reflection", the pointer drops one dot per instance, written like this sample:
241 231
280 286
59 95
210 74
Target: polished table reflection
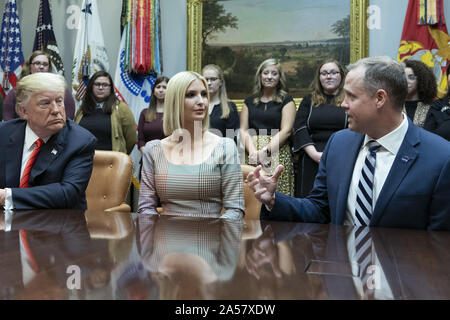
56 254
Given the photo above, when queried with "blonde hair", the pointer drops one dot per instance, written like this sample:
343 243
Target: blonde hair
281 91
222 90
174 101
37 82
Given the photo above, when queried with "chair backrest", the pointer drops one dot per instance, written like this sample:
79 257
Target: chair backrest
252 206
108 225
110 180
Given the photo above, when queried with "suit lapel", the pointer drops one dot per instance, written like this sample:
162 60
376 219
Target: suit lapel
50 152
14 156
405 159
346 167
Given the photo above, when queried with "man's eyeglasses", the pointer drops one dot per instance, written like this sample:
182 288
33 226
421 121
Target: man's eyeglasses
331 73
39 63
101 85
212 79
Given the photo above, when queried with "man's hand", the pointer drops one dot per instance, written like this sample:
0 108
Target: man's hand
2 197
263 251
264 187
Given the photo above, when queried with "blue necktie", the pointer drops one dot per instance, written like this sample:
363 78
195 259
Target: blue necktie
364 193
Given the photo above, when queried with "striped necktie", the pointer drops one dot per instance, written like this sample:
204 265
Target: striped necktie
24 181
364 193
363 255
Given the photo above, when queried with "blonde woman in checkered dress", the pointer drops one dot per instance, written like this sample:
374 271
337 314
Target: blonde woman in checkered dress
192 172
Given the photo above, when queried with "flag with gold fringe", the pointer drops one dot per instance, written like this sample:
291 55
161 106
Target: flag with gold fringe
90 53
425 38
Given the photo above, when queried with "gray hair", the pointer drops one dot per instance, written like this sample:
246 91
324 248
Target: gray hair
37 82
383 73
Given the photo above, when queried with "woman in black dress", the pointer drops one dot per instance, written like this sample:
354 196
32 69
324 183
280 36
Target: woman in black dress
317 118
267 118
438 119
422 89
223 113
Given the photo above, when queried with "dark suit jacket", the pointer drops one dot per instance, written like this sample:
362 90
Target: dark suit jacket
415 194
56 239
59 176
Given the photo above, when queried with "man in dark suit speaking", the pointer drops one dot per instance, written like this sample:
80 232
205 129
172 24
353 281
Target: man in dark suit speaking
384 171
45 160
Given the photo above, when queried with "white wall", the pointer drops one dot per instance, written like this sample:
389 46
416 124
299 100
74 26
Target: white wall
383 41
173 30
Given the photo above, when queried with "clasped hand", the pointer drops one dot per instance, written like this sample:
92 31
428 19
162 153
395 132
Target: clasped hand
260 157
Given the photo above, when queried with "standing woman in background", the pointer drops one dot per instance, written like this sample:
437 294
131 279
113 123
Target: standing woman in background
223 113
270 110
317 118
150 124
438 119
39 61
422 90
107 118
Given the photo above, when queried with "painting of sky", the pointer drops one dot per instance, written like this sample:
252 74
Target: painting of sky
281 20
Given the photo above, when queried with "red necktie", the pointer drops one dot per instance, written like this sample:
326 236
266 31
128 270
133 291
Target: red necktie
24 181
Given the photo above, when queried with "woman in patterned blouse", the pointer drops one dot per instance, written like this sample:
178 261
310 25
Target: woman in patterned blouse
193 172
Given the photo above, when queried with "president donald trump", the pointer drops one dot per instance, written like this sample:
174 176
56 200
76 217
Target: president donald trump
45 159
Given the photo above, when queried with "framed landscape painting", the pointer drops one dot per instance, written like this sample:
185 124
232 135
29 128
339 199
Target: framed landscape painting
238 35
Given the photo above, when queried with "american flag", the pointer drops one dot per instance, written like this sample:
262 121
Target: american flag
45 37
11 55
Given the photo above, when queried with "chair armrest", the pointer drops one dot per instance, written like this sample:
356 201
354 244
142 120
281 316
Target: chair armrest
122 208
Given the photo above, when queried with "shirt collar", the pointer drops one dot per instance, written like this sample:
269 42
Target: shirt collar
393 140
31 137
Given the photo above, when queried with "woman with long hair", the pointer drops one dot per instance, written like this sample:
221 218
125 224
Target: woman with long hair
192 171
150 120
318 117
223 114
108 119
438 119
422 90
266 120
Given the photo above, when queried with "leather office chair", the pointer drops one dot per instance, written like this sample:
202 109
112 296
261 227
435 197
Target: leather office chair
252 206
110 181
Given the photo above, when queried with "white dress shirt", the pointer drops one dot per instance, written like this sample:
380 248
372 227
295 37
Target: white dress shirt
390 144
28 148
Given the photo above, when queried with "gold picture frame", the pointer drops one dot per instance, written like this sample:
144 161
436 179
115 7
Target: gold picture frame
359 34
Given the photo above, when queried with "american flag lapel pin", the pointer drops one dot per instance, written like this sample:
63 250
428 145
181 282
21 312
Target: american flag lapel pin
405 159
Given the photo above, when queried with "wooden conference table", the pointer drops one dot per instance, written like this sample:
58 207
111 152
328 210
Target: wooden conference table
101 255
